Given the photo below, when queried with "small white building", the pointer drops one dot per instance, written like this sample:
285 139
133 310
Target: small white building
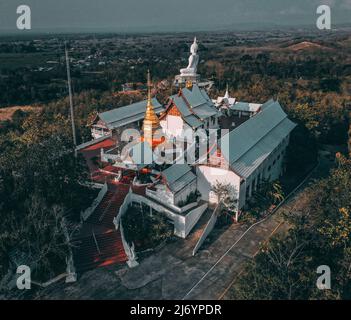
247 109
180 182
224 102
232 107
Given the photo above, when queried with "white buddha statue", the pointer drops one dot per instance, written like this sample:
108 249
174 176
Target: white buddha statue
191 69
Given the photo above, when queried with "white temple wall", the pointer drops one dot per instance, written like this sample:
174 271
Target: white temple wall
98 132
183 224
172 125
271 169
207 177
193 217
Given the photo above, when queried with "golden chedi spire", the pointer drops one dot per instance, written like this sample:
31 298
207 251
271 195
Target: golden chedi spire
151 121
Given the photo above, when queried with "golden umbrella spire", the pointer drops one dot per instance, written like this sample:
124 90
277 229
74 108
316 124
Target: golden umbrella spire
149 101
151 119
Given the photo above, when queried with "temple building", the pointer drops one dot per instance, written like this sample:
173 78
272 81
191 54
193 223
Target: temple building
191 108
224 102
177 184
250 150
116 120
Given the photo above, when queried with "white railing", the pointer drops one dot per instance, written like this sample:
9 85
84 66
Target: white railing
191 205
209 227
177 218
128 249
87 213
166 200
105 156
123 208
183 224
193 217
163 197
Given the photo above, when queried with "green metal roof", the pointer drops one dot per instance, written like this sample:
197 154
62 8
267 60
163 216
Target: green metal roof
249 144
178 176
125 115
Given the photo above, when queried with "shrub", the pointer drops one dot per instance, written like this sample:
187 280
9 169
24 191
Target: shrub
146 229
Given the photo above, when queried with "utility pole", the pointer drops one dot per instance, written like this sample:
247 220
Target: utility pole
71 101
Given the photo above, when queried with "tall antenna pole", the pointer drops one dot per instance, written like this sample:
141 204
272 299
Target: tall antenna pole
71 101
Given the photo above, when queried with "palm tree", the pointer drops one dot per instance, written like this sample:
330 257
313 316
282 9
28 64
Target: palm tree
276 193
268 193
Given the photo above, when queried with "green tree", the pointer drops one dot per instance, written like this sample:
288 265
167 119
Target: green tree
227 198
319 234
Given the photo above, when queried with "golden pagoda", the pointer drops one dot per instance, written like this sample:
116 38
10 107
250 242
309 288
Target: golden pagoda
151 121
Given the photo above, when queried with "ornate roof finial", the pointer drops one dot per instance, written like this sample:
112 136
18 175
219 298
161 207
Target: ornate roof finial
189 84
226 95
149 99
180 92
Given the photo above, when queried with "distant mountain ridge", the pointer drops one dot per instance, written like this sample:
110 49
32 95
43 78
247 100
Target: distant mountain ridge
258 26
307 45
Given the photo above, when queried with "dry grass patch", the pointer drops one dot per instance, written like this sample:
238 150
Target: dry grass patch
6 113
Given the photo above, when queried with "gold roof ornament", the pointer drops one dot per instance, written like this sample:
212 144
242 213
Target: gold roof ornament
189 84
180 92
150 115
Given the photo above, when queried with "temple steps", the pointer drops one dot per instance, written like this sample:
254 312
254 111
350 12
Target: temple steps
99 250
109 206
105 247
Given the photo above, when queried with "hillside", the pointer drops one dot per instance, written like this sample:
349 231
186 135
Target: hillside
307 45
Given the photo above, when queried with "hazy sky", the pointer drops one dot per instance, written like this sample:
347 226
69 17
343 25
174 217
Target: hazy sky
168 15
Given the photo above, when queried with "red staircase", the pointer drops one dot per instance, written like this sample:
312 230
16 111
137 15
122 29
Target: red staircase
105 247
98 251
109 206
